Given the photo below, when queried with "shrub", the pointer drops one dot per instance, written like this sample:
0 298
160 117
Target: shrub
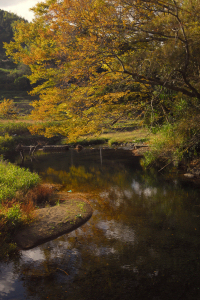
12 128
13 179
8 109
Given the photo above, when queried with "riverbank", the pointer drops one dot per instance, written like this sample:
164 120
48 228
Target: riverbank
30 216
19 191
129 134
157 147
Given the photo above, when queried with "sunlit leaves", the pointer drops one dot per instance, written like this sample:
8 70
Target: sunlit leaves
8 109
93 60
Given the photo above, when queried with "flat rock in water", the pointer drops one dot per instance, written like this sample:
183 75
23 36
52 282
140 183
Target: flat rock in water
52 222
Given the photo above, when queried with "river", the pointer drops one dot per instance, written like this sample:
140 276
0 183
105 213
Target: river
142 242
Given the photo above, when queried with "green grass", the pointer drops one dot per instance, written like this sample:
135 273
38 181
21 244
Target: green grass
11 128
116 137
16 205
14 179
13 133
4 70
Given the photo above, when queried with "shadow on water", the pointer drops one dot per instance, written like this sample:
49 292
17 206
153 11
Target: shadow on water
142 241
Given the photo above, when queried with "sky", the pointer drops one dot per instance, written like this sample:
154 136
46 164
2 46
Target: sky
19 7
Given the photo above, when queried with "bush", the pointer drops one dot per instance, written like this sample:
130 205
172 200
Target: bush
19 191
6 142
13 179
8 109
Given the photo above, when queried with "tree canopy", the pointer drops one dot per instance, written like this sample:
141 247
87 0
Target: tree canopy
95 61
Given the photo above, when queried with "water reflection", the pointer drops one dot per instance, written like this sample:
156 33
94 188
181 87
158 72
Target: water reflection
7 280
114 230
142 240
9 284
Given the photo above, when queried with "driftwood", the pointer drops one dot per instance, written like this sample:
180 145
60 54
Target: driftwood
137 146
22 149
32 149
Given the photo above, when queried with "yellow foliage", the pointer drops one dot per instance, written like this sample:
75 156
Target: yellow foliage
99 60
8 109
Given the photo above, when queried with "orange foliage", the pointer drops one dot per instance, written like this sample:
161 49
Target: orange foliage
97 60
37 195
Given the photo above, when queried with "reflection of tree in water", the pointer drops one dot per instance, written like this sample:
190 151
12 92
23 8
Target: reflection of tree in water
82 179
144 245
142 241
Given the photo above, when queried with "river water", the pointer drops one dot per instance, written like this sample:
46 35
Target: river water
142 241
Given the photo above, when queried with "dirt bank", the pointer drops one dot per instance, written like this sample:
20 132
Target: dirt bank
71 211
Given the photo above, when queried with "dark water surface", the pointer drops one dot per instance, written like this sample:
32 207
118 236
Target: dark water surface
142 242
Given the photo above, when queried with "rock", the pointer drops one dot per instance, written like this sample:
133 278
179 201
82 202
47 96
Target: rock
79 148
52 222
189 175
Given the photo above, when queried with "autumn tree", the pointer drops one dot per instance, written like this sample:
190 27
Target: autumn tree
96 61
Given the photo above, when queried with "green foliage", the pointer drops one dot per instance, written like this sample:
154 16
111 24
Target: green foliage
10 72
7 21
14 184
7 143
14 128
14 214
13 179
14 133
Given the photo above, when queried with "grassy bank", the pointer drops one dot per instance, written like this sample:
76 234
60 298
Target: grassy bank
19 193
166 144
124 131
14 179
16 132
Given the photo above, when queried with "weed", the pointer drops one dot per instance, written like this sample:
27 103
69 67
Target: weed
81 206
14 214
39 195
79 216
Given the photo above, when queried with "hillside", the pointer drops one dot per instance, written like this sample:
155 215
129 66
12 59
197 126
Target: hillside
11 75
6 22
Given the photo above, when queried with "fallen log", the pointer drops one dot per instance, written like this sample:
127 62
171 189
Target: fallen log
25 148
55 148
31 149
